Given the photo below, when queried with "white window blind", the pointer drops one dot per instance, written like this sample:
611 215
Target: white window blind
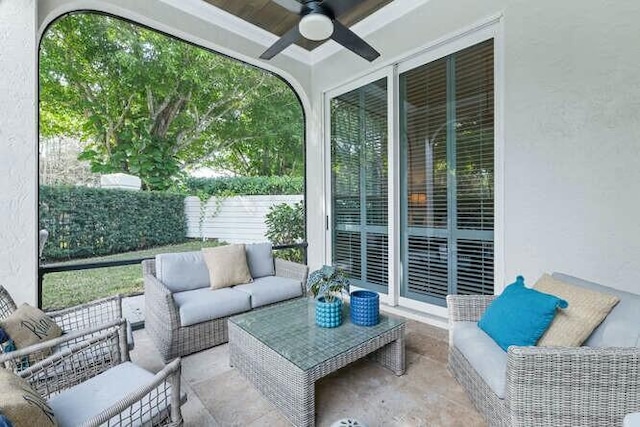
447 146
359 184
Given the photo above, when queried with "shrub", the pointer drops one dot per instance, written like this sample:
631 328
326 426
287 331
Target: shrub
285 225
86 222
245 185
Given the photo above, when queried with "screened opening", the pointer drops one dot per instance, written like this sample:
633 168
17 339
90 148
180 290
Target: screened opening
150 144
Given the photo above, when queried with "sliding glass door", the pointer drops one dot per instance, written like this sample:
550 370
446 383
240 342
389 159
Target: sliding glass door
359 195
446 111
413 210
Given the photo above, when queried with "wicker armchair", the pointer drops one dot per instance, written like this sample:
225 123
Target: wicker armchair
109 391
162 318
76 322
549 386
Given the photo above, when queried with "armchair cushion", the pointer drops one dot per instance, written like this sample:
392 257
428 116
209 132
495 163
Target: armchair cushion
487 358
200 305
86 400
520 315
271 289
183 271
22 405
227 265
587 309
260 259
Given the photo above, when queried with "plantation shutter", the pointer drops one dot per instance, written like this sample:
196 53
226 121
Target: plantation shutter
447 140
359 184
474 137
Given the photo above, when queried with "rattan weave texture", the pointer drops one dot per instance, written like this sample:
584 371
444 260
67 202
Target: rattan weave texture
78 323
550 386
162 320
156 403
284 358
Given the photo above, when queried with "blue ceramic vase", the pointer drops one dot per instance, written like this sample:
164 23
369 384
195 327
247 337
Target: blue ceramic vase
328 314
364 308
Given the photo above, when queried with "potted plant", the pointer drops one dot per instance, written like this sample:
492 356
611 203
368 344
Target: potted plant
327 285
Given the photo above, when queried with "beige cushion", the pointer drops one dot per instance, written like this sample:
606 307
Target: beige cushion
21 404
227 266
573 325
28 325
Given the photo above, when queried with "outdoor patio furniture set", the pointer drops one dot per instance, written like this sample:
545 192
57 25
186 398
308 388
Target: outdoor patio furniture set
595 384
184 315
79 374
271 329
85 376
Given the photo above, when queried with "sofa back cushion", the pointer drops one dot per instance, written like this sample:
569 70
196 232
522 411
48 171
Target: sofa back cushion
620 328
260 259
183 271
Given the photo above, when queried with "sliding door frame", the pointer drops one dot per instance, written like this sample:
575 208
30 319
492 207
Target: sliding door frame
385 73
491 28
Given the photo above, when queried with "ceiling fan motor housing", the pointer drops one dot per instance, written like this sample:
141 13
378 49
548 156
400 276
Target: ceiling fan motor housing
316 23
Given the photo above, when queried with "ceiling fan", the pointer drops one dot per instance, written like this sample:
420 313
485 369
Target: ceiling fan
318 22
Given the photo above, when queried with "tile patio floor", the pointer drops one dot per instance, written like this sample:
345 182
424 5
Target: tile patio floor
426 395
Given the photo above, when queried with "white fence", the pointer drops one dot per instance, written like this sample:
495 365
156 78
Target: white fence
238 219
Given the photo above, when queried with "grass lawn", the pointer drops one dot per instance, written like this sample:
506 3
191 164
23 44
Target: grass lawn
60 290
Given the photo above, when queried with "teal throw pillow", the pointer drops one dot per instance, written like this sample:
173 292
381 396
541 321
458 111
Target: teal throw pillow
519 315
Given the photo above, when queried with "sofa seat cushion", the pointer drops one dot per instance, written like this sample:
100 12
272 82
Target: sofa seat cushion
621 327
182 271
271 289
79 403
486 357
201 305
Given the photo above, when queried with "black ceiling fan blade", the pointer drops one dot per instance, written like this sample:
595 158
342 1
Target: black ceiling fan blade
338 7
353 42
283 42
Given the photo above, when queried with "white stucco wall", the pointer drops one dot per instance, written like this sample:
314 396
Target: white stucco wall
571 123
18 149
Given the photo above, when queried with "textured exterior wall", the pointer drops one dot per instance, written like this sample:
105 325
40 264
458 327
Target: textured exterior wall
239 219
18 149
571 125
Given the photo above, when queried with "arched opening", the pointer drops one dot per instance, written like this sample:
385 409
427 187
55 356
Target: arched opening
215 146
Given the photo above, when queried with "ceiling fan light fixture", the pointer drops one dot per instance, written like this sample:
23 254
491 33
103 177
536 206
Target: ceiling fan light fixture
316 26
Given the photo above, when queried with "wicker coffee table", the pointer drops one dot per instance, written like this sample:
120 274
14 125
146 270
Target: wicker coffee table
283 353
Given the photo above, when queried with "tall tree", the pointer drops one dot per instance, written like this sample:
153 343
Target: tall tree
152 105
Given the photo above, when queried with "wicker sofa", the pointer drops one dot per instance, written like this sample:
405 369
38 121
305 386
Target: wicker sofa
593 385
183 315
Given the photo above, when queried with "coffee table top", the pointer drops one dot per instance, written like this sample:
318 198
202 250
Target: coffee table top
289 329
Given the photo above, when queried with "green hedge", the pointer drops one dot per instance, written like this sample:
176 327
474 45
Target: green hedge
86 222
245 185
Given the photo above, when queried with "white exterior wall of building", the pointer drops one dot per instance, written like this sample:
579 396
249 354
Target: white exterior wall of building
571 124
571 120
18 150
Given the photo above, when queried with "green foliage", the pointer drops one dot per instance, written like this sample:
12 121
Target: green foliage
151 105
328 283
285 225
244 185
86 222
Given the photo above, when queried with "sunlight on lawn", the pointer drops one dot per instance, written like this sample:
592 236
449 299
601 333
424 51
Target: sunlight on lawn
70 288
